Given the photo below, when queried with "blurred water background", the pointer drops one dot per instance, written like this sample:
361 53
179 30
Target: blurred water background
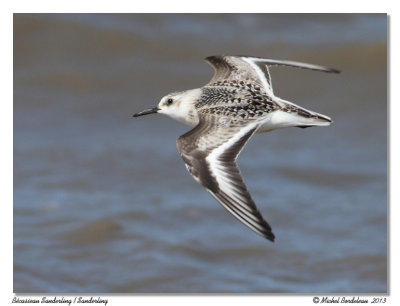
103 202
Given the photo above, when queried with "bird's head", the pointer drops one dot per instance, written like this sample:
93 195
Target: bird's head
178 106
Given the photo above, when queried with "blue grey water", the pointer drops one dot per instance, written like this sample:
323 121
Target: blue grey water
103 202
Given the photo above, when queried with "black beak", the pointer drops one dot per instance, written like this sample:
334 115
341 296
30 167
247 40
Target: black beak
147 112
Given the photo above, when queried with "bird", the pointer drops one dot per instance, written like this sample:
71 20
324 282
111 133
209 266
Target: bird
236 103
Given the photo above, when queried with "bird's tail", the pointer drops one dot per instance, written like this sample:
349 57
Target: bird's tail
292 115
304 118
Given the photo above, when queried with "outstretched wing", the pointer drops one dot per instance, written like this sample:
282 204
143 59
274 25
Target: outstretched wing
252 69
210 151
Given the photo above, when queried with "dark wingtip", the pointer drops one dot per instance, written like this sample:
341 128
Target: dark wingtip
214 59
333 70
270 236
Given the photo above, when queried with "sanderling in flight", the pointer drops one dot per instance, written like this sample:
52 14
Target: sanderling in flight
225 113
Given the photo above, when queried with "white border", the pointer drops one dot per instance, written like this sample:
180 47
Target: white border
9 7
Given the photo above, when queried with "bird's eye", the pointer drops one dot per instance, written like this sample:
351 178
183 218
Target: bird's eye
169 101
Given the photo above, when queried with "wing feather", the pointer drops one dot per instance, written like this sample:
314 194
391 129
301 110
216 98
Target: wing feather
254 69
210 158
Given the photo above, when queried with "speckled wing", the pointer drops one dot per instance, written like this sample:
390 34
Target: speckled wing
210 151
236 69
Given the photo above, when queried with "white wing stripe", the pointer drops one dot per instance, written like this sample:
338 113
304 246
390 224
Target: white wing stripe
239 216
247 217
236 211
272 62
261 75
243 210
227 186
212 158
